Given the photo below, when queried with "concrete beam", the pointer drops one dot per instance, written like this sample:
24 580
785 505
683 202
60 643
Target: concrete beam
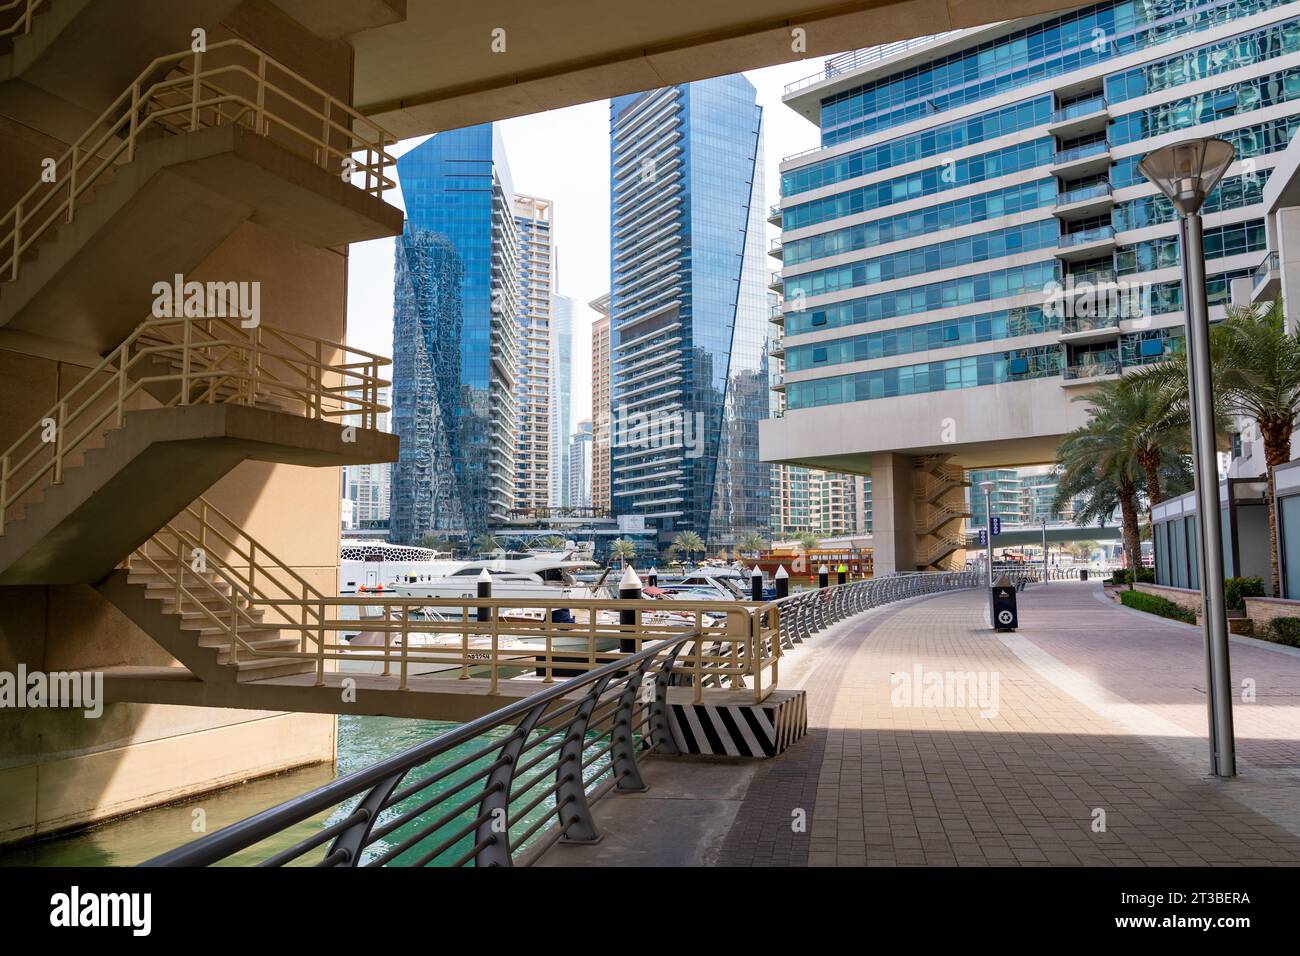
1008 425
434 72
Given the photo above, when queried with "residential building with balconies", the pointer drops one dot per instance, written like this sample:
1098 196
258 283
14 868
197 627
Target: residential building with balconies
972 245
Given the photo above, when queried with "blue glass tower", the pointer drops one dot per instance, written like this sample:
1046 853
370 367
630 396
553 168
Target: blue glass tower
688 315
455 338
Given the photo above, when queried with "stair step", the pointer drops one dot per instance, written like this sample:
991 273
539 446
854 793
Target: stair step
212 630
281 644
272 667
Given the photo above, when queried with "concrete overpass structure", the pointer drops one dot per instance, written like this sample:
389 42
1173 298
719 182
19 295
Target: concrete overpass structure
146 138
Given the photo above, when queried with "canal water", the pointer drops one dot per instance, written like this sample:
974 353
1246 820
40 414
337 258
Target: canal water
361 741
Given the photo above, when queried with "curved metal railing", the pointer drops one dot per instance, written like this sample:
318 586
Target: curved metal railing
524 776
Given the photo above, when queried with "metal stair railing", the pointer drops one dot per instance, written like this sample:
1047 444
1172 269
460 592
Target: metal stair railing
239 86
519 779
204 537
211 361
21 22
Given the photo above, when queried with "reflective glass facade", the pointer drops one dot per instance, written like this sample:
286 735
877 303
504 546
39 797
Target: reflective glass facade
1052 211
455 338
1074 41
688 310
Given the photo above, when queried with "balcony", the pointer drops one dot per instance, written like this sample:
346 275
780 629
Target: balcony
1081 160
775 283
778 382
776 250
1085 201
776 315
1089 328
774 214
1266 283
1086 244
1091 370
776 347
1078 119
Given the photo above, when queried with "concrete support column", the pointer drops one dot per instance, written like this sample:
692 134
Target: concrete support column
1285 224
893 524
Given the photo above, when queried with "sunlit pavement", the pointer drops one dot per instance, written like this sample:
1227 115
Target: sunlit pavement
1086 747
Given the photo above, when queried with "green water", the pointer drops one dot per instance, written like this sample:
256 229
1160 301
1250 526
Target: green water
361 741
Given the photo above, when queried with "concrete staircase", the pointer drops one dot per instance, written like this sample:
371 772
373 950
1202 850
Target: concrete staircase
77 529
164 176
190 631
940 511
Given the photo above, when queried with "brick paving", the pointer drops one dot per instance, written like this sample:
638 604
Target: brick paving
1108 725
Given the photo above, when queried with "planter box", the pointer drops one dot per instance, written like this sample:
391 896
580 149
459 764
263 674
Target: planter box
1184 597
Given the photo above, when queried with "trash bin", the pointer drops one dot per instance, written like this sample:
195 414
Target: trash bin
1004 605
1083 574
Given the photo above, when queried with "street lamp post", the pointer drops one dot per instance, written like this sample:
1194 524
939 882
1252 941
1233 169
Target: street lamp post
987 488
1044 549
1187 173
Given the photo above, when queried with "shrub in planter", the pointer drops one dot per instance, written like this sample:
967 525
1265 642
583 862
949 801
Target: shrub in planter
1236 590
1154 604
1281 630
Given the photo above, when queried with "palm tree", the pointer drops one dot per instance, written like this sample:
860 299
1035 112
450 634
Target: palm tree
550 542
807 540
487 543
1256 376
624 550
687 543
753 542
1099 467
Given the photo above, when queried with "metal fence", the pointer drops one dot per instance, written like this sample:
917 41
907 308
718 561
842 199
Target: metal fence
526 776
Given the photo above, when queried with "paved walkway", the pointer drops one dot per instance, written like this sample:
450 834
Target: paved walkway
1089 715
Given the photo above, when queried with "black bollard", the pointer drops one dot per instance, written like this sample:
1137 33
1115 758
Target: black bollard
629 589
652 579
485 591
756 584
841 574
823 577
782 582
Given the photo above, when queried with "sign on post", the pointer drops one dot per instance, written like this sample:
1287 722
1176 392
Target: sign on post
984 537
997 526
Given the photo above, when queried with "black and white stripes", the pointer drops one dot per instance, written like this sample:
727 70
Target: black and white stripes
740 730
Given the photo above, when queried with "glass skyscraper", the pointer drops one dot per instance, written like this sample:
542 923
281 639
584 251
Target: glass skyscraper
561 397
688 310
455 338
533 216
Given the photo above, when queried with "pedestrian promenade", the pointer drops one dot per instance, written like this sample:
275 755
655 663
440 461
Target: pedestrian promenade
1079 741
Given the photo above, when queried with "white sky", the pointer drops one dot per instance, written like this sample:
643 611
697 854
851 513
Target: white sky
563 155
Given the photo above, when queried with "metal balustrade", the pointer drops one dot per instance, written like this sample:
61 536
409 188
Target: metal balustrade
1268 267
232 83
526 776
1094 104
204 361
855 59
1095 191
1064 156
1086 236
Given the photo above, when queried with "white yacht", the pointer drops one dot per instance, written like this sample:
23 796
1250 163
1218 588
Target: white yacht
536 574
